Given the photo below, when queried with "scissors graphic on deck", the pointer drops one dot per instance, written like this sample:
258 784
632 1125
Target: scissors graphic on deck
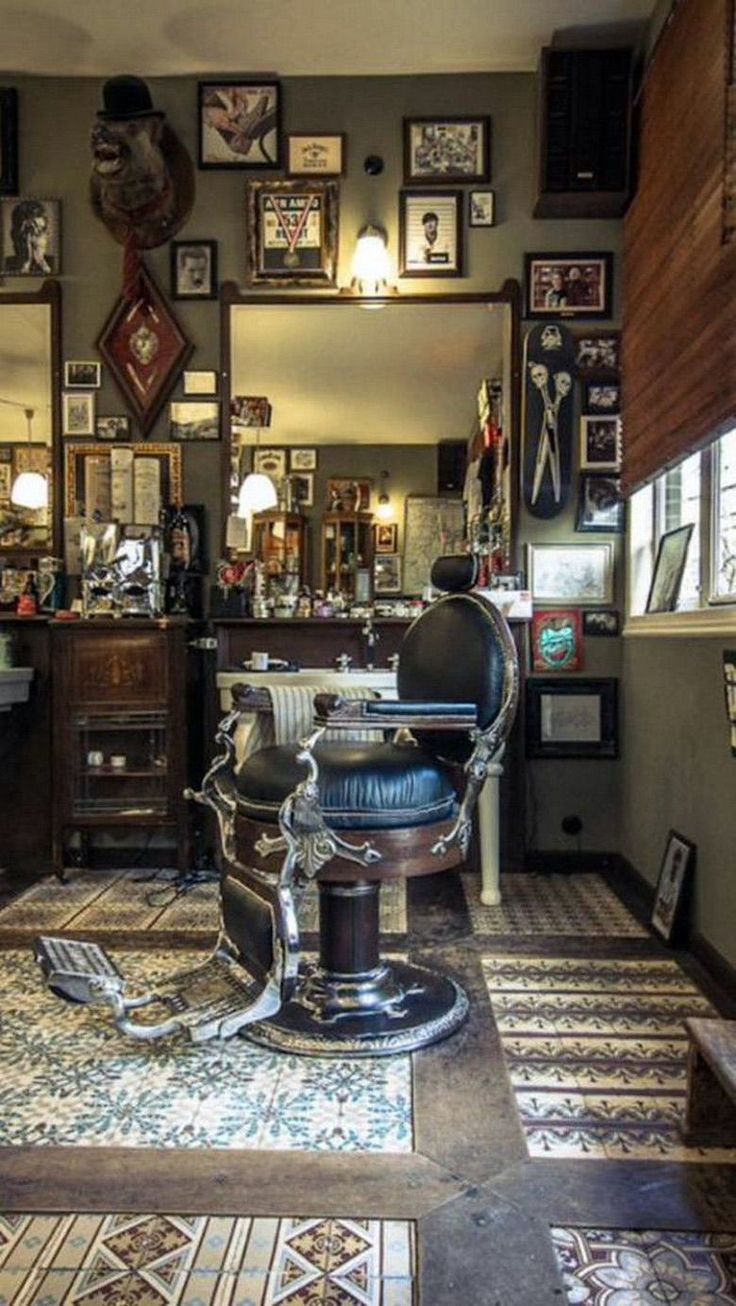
548 445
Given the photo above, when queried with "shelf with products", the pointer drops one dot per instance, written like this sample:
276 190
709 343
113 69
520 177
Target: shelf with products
279 542
347 549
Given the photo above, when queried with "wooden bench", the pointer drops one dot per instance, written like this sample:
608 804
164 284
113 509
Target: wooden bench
710 1112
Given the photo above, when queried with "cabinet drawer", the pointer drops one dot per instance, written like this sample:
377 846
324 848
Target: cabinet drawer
118 669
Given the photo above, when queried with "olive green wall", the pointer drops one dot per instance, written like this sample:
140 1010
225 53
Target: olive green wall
56 116
679 772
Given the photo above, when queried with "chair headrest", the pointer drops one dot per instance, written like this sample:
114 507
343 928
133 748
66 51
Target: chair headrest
455 573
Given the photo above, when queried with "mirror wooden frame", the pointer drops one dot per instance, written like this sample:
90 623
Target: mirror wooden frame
49 292
509 293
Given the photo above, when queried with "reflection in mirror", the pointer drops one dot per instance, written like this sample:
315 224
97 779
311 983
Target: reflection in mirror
28 413
337 376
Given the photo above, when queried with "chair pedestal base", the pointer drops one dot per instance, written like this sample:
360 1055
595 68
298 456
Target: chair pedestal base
353 1003
400 1009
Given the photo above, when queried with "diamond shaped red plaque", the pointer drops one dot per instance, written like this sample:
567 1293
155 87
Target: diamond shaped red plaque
145 349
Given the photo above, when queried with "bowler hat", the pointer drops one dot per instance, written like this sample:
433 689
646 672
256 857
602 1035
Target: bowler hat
127 97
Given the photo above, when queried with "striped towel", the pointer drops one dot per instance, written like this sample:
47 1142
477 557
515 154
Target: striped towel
293 714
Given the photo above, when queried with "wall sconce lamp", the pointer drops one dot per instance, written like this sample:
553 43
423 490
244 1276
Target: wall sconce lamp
384 511
29 489
371 265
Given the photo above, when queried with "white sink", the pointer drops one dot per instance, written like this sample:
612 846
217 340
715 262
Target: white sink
15 685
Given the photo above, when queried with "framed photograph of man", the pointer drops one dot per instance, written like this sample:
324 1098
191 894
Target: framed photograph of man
430 233
8 141
600 505
600 444
669 567
482 210
672 886
292 232
240 124
302 489
78 412
193 269
31 237
568 285
453 149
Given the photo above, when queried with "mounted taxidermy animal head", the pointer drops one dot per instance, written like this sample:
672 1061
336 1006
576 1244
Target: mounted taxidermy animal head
142 181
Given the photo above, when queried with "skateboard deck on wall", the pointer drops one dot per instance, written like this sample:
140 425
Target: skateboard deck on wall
549 375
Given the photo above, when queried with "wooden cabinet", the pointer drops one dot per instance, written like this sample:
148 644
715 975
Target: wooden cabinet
120 730
585 133
347 548
279 540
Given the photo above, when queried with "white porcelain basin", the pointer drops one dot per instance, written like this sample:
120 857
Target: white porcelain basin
15 685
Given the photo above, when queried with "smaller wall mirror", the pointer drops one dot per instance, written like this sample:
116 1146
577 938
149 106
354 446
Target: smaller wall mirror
29 421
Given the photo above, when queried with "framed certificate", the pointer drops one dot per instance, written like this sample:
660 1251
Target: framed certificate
292 232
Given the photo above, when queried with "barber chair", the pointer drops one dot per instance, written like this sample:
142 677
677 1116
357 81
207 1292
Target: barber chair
351 816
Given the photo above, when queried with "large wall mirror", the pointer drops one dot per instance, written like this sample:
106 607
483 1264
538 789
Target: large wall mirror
29 421
371 390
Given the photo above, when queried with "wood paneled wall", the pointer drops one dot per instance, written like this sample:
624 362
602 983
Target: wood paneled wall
679 339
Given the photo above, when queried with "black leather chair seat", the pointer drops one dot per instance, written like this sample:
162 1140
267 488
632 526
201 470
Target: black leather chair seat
361 786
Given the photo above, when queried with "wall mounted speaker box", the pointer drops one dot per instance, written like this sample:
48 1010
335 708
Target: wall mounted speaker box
451 464
584 133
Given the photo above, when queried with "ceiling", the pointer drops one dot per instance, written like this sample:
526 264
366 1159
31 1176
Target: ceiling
292 37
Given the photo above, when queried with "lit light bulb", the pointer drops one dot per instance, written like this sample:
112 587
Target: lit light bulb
371 267
30 490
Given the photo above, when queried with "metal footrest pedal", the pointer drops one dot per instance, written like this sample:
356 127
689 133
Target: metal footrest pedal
212 1000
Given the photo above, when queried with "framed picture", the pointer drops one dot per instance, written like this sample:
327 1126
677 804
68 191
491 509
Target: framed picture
292 231
669 567
193 269
240 124
348 494
87 480
82 376
482 210
302 460
598 352
200 383
430 233
571 718
116 427
729 691
672 887
8 141
315 154
386 537
249 412
601 622
387 574
568 285
456 149
600 505
271 462
571 573
31 237
77 413
302 486
600 444
557 640
194 421
601 397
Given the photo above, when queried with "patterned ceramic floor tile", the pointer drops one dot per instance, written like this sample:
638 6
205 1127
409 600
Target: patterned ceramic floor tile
596 1053
102 903
69 1078
625 1267
581 905
174 1260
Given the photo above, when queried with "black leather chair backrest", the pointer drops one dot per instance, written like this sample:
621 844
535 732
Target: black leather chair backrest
453 653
